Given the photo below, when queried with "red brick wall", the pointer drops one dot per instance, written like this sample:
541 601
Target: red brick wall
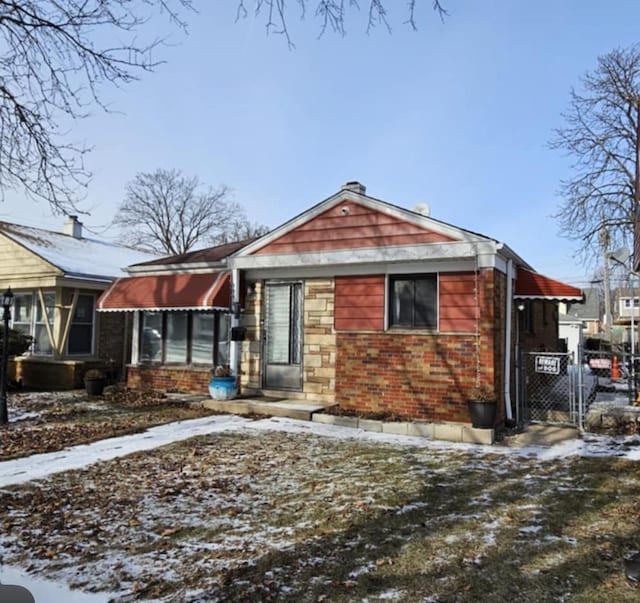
424 375
169 379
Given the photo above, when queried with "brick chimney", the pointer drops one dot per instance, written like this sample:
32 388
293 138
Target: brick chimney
73 228
354 186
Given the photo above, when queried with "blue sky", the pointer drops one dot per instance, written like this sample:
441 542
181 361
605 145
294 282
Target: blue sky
457 115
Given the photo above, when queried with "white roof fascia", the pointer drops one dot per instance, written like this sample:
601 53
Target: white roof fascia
88 277
509 254
406 215
331 270
195 268
485 251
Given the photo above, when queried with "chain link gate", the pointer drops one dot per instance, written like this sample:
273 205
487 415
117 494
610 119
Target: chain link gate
554 389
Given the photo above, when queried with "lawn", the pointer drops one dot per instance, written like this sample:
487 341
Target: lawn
257 514
47 422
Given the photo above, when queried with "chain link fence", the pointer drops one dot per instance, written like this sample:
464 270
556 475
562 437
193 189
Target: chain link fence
555 389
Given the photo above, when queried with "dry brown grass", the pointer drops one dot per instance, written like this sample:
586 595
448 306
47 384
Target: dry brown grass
266 516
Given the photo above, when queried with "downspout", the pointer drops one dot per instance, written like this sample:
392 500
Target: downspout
234 346
507 353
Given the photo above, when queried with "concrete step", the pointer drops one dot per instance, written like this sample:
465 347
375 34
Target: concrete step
293 409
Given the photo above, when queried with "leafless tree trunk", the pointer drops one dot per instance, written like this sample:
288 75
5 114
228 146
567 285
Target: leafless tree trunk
168 212
55 58
601 135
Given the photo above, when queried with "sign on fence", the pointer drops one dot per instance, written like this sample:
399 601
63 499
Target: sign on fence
549 365
600 363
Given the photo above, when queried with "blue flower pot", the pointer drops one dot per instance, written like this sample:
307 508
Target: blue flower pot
223 388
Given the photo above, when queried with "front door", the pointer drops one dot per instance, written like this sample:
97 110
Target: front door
282 348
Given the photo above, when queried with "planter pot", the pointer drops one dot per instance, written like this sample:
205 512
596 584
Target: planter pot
94 387
482 413
223 388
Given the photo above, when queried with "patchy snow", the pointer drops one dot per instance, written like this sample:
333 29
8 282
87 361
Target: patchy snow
19 471
237 529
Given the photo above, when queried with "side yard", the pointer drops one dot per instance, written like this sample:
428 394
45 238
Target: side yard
288 511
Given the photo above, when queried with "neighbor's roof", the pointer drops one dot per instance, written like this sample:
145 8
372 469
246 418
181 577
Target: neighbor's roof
590 309
77 257
531 285
186 291
200 256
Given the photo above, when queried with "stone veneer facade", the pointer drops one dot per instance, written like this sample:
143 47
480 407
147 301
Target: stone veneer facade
319 342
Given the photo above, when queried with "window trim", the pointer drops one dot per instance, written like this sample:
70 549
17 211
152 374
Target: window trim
33 323
215 355
93 329
389 299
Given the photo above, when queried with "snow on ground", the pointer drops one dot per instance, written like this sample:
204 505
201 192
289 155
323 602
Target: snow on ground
20 471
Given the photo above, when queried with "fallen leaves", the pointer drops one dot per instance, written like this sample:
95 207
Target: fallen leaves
53 422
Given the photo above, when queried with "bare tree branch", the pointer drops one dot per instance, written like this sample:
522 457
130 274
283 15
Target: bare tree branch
168 212
330 13
53 66
600 134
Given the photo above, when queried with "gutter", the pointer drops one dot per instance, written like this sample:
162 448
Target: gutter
508 329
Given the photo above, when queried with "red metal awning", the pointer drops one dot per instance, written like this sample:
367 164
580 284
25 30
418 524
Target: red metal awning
168 292
531 285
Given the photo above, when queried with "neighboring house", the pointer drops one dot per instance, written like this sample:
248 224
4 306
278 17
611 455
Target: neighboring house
579 320
626 313
356 302
56 279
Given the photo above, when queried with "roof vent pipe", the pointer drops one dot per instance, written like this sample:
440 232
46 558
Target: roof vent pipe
423 209
73 228
355 186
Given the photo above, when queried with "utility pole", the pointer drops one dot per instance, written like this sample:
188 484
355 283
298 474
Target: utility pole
604 244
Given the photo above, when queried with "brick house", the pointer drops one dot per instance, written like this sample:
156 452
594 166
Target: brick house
56 279
373 307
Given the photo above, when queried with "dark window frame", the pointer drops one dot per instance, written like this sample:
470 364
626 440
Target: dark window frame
215 353
430 323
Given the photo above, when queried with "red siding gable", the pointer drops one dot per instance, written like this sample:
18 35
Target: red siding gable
349 225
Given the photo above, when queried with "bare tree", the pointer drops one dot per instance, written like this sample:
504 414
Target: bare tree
168 212
330 13
240 229
601 135
55 58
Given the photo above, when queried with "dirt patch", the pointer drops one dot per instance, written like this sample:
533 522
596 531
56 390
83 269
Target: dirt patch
48 422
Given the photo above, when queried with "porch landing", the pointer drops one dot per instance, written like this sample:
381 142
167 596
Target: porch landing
263 405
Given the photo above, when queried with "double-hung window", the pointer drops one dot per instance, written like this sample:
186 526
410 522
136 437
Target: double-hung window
30 318
413 301
80 342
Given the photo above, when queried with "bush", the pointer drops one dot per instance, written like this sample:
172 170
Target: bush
19 343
